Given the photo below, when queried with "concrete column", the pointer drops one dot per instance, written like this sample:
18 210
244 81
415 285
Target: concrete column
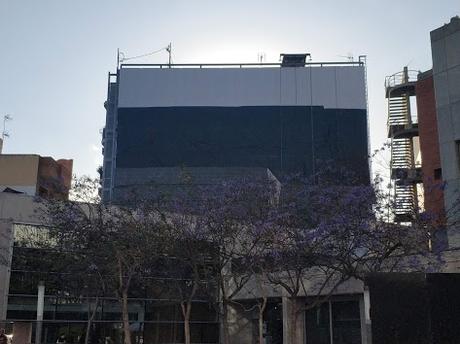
22 333
288 320
40 309
364 308
6 254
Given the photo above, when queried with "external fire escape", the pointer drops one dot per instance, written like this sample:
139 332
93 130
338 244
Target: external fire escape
402 130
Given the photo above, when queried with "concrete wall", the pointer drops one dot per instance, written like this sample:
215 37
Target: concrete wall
445 45
19 172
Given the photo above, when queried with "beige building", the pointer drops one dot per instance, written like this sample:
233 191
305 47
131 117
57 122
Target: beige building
34 175
15 209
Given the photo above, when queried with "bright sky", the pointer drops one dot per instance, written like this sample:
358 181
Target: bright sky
55 54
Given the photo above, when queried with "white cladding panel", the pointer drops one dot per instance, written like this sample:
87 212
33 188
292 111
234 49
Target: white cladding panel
332 87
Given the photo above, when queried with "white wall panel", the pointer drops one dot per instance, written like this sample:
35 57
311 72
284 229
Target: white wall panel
255 85
333 87
348 82
303 86
287 85
324 87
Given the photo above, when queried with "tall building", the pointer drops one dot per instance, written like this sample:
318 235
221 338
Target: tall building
225 120
434 132
445 47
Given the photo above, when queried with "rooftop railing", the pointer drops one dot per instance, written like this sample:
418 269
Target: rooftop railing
401 78
235 65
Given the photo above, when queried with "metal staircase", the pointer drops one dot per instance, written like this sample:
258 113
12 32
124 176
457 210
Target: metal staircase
401 130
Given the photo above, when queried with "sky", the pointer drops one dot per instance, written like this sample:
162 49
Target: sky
55 54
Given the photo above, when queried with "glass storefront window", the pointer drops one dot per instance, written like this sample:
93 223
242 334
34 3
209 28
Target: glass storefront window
334 322
346 324
318 325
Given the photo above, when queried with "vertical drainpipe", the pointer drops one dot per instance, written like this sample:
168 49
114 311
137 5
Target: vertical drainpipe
40 308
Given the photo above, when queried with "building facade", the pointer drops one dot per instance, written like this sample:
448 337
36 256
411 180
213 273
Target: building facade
34 175
445 47
202 117
207 123
433 135
153 319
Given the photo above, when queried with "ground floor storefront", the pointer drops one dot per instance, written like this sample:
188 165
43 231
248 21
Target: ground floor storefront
336 321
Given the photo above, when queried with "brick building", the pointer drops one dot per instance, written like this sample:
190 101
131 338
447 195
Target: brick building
429 145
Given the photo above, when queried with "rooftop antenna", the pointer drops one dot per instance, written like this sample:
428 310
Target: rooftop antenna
121 57
169 50
261 57
348 56
5 133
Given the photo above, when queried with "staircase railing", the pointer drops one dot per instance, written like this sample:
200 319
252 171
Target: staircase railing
402 148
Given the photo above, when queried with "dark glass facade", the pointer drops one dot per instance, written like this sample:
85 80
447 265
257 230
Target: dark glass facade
285 139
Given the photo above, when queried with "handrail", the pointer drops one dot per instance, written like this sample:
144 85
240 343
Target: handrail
401 78
239 65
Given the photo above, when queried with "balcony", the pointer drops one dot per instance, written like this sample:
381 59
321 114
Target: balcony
403 131
401 83
407 176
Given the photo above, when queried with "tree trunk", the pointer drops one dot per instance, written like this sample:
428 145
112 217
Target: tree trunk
91 318
225 334
126 330
293 325
261 320
186 310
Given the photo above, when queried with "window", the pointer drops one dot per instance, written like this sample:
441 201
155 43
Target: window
318 325
438 173
346 324
339 320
